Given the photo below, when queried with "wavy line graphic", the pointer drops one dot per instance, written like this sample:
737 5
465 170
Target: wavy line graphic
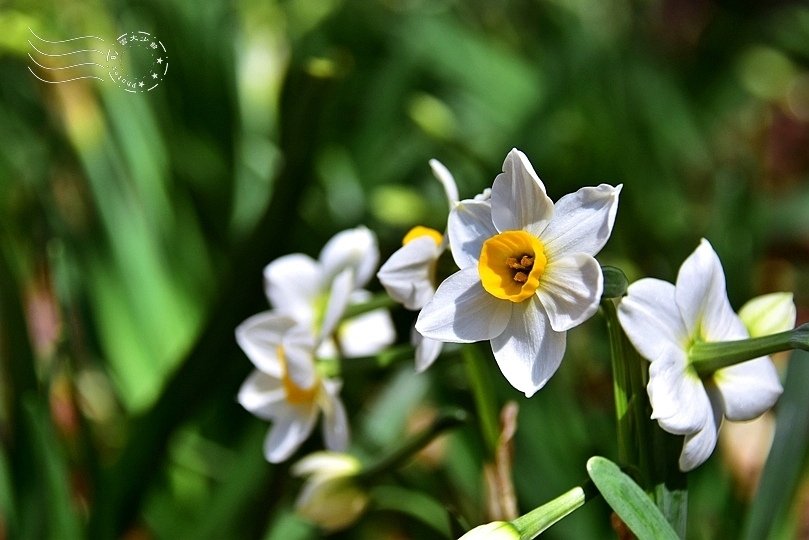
65 67
63 54
63 40
66 80
57 55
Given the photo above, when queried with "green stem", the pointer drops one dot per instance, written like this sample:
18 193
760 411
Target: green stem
376 302
706 358
446 420
541 518
643 447
620 382
484 398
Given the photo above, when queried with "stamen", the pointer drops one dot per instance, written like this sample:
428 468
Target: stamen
520 267
512 263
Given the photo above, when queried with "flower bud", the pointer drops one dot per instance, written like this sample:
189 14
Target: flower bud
496 530
331 497
769 314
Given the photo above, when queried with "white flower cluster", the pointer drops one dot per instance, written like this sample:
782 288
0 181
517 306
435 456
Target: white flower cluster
309 298
527 274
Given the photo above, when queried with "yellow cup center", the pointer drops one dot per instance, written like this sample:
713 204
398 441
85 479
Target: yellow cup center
511 264
295 394
418 231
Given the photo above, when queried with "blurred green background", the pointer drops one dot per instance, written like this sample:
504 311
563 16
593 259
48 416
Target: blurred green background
134 228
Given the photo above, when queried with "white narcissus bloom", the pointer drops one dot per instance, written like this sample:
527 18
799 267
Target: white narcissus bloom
285 388
527 272
316 292
663 321
331 497
409 274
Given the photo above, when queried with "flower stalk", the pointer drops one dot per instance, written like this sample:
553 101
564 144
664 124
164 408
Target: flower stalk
446 420
539 519
708 357
485 403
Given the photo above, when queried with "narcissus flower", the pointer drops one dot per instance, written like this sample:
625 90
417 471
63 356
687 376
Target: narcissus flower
331 497
527 272
409 274
285 388
316 293
663 321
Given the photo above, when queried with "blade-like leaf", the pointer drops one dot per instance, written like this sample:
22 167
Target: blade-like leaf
628 500
787 454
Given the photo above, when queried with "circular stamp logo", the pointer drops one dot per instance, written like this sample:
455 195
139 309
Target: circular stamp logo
140 64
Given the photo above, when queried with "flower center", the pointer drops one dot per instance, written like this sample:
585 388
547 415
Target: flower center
511 264
295 394
418 231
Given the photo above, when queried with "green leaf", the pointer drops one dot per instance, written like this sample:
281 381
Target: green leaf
413 503
787 455
628 500
58 510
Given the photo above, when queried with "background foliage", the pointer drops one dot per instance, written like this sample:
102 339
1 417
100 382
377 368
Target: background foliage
134 228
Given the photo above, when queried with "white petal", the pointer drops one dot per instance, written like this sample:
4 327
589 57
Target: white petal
262 395
339 296
335 420
748 389
697 447
462 312
353 248
325 463
288 432
651 319
582 221
298 350
443 175
528 351
484 195
261 335
570 290
703 300
679 400
519 200
408 275
366 334
427 350
292 283
769 314
469 225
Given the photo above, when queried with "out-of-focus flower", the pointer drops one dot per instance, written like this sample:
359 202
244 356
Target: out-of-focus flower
496 530
663 321
315 293
285 388
769 314
409 274
331 496
527 271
